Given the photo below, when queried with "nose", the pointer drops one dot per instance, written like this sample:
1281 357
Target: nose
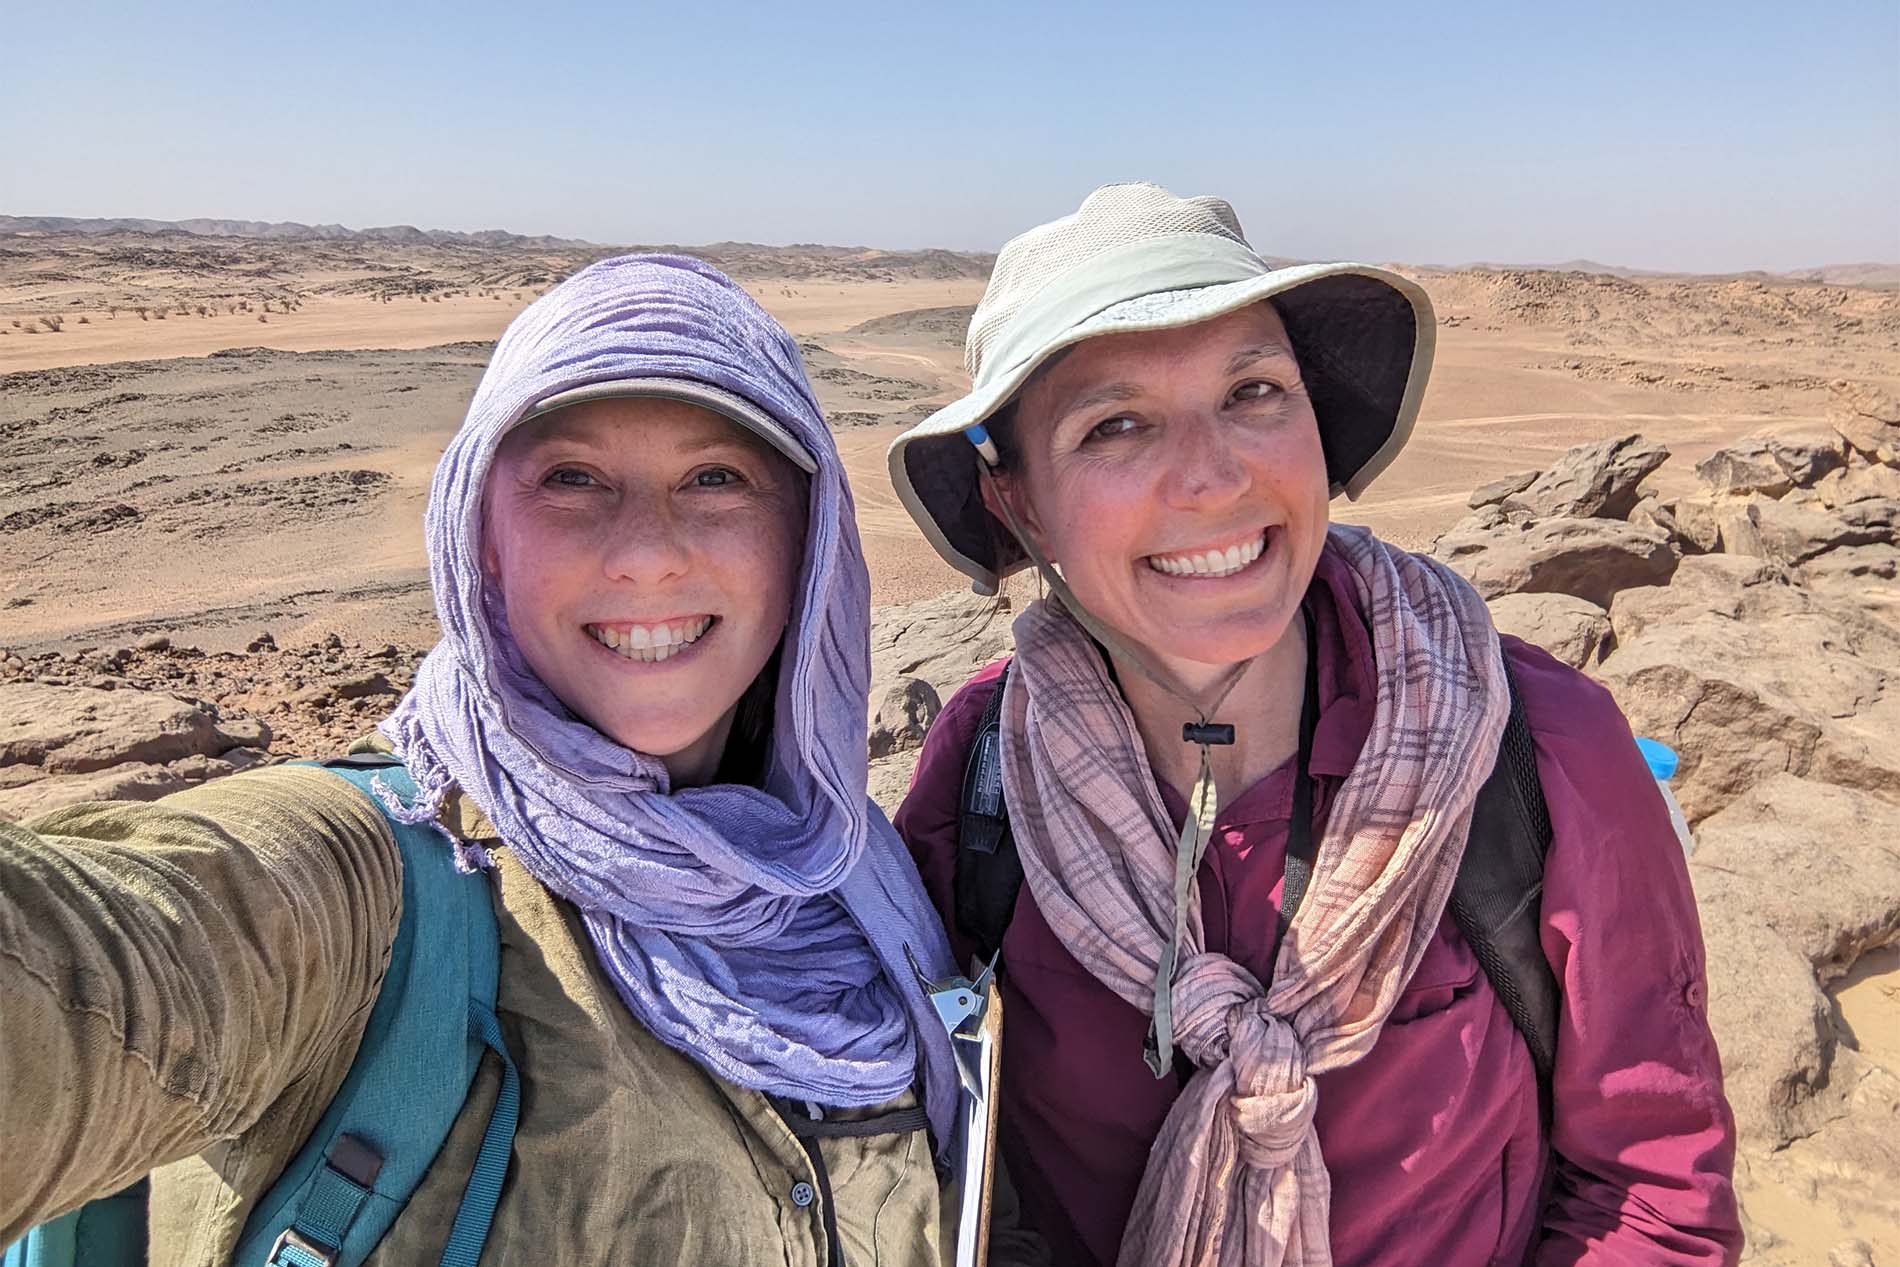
1203 466
644 541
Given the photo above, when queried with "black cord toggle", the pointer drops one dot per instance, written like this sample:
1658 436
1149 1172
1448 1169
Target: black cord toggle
1207 732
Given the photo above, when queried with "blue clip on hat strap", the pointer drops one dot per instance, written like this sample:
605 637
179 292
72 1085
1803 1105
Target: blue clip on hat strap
979 436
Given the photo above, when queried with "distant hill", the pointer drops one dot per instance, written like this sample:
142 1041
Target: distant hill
1849 274
282 231
1867 274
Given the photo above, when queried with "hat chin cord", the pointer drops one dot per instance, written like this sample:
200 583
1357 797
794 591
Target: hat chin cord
1158 1050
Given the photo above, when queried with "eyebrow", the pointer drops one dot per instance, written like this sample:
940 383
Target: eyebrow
1273 350
1107 393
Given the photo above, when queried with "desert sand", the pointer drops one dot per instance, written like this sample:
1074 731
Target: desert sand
191 473
229 470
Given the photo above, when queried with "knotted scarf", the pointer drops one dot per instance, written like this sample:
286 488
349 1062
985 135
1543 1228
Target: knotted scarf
1236 1177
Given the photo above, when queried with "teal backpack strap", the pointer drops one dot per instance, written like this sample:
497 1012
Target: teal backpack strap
431 1024
107 1232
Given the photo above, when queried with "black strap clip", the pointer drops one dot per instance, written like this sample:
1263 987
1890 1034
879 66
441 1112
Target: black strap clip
1207 732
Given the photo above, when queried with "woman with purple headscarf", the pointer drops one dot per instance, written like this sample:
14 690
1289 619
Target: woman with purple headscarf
644 724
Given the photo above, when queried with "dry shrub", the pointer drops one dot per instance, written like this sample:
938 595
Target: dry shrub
158 314
83 321
262 320
52 324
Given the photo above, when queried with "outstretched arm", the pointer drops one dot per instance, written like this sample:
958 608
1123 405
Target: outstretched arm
168 970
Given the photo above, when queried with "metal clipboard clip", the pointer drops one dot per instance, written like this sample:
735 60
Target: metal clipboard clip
961 1005
973 1017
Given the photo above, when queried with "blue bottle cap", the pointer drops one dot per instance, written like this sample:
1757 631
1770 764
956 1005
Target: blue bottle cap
1661 757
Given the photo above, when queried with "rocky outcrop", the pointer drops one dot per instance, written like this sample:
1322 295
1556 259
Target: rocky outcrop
1768 656
76 729
63 744
1816 863
1498 489
1590 481
1574 630
143 720
1591 559
1566 531
1772 465
943 640
1868 419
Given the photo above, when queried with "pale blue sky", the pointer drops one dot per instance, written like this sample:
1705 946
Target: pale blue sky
1684 136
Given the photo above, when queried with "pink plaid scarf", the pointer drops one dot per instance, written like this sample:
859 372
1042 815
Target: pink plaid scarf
1236 1177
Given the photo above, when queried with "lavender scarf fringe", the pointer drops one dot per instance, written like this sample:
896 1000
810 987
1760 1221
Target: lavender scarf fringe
760 931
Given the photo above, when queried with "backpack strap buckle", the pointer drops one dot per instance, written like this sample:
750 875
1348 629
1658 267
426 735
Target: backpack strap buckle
294 1250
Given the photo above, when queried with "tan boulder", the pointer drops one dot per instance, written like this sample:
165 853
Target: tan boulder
1592 559
1729 585
1651 512
1697 523
1589 481
1791 532
1874 562
1868 419
76 729
889 779
1816 862
133 781
1861 482
1498 489
904 714
1570 628
943 640
1742 699
1771 1024
1772 464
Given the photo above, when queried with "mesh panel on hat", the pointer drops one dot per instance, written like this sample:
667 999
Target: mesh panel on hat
1113 216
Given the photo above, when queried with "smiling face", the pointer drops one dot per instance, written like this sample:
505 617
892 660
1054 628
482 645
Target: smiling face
646 553
1176 478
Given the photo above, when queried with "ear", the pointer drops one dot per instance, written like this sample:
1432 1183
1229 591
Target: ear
1005 486
488 557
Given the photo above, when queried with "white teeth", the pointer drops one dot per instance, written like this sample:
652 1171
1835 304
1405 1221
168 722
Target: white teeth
651 644
1214 563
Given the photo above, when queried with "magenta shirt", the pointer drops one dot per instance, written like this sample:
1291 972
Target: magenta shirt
1432 1140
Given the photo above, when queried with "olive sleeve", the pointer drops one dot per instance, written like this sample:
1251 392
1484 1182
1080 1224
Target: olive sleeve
167 970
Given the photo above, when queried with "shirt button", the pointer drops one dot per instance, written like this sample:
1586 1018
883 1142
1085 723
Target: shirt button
802 1195
1692 994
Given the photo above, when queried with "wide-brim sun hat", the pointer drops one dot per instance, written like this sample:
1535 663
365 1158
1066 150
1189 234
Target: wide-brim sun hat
1135 257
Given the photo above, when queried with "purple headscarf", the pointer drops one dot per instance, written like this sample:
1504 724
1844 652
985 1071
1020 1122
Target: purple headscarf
762 931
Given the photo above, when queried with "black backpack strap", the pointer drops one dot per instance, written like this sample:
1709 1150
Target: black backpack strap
1496 899
988 873
361 761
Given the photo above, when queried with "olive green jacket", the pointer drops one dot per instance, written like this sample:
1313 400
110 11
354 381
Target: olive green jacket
183 985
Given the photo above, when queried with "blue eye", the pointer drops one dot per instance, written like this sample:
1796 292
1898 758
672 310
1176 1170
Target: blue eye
568 477
716 477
